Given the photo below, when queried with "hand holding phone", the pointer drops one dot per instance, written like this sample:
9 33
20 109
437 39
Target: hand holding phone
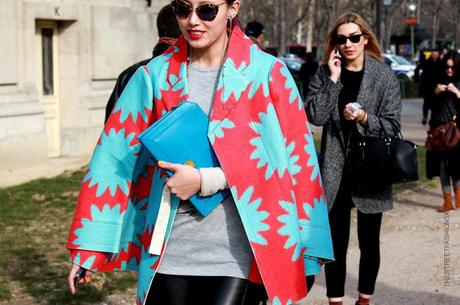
79 275
335 64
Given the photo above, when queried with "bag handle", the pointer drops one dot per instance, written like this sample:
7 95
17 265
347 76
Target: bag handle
452 114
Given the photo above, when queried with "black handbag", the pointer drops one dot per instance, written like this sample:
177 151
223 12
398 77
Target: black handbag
385 159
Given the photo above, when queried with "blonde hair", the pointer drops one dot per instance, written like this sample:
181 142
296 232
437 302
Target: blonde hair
372 47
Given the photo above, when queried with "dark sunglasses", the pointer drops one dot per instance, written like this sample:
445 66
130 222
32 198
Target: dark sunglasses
449 67
206 12
340 39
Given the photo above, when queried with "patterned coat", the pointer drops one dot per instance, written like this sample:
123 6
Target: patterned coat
380 97
261 136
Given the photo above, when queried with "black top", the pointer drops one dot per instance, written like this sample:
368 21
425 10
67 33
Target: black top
351 82
445 104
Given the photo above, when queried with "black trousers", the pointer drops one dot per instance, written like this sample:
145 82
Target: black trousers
369 245
257 295
189 290
207 290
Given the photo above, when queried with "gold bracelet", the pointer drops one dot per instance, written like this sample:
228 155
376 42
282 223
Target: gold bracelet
364 119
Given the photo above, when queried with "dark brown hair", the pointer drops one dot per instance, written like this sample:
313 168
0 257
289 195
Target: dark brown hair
372 47
456 59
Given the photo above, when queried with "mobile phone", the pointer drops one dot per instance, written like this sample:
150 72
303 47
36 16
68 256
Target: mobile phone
355 106
79 275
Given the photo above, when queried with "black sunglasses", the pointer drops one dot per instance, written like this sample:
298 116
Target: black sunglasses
206 12
448 66
340 39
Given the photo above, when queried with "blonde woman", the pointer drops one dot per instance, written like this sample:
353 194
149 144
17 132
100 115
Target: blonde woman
351 95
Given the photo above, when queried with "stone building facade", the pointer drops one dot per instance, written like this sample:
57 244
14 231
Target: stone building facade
59 60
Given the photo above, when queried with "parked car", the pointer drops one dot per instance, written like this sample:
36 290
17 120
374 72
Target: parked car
400 65
293 63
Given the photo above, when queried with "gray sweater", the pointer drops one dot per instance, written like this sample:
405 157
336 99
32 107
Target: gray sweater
215 245
379 95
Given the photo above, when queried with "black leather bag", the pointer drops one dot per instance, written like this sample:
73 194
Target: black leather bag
385 159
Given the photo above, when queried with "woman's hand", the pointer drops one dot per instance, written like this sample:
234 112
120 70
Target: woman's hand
451 88
358 115
85 279
185 182
335 65
440 88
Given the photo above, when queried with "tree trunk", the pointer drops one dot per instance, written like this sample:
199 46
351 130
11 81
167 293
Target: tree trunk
457 23
282 20
310 24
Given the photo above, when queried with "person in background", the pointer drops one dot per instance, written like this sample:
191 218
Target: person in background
354 93
169 32
273 228
307 71
431 68
445 105
255 31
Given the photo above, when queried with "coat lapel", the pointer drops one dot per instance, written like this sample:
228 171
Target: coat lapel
365 83
232 81
176 88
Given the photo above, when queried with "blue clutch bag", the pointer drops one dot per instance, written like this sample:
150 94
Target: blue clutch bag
181 136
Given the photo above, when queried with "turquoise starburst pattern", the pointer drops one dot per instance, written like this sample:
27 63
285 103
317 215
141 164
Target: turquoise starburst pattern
233 82
290 85
136 97
312 157
179 83
132 265
133 223
112 162
88 264
216 129
251 217
103 230
318 215
290 228
293 167
143 160
271 149
276 301
159 66
145 274
257 68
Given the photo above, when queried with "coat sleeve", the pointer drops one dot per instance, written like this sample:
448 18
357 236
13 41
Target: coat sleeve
322 98
104 203
306 185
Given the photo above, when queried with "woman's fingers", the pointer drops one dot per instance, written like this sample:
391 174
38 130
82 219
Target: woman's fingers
86 278
168 165
70 281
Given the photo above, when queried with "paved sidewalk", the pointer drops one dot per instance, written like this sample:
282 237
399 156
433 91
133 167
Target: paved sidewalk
420 255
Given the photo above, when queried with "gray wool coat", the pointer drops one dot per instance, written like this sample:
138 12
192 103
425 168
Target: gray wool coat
379 96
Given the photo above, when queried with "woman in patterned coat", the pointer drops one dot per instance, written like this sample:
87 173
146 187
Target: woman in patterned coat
353 93
273 229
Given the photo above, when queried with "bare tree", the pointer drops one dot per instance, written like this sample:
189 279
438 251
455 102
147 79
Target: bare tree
308 21
435 11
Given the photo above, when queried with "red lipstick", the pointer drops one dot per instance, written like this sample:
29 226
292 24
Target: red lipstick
194 35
